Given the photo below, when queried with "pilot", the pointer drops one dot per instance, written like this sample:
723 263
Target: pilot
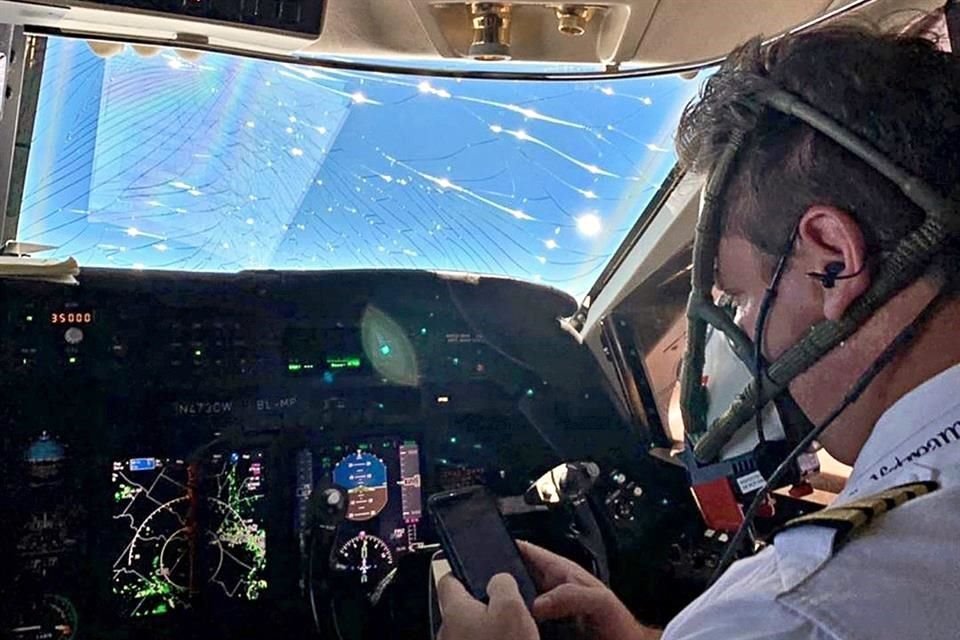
820 229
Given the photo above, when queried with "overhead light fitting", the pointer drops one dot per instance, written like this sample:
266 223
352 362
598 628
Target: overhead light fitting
572 19
491 31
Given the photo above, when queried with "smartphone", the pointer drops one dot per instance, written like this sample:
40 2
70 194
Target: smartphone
476 541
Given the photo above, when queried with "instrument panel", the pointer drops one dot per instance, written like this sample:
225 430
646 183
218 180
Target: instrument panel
384 515
182 529
163 434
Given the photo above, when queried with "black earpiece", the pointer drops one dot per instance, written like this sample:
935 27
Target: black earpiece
831 273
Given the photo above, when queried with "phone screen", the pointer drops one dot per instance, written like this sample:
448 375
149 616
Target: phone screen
477 543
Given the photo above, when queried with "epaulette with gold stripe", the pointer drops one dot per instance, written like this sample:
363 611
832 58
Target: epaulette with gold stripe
853 516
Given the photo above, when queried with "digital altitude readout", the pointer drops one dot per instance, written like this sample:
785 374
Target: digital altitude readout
72 317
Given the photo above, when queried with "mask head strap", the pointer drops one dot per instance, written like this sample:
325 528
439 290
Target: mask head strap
768 297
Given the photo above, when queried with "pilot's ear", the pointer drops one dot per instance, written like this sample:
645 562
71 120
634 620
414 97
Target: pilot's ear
834 251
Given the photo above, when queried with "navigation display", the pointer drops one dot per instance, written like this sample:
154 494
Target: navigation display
188 530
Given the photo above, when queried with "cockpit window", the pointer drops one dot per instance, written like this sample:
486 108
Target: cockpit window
223 164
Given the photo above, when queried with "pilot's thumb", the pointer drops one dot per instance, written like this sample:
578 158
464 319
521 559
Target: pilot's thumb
570 601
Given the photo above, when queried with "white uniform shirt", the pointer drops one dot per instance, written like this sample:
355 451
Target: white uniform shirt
899 578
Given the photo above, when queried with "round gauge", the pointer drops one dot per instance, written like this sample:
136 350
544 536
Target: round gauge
364 477
52 618
73 335
367 555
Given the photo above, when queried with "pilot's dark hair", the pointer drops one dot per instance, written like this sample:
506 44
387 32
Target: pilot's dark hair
900 93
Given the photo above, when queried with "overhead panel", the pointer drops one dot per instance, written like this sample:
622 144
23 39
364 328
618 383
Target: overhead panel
657 35
255 26
601 33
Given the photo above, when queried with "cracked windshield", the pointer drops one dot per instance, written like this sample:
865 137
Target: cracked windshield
220 163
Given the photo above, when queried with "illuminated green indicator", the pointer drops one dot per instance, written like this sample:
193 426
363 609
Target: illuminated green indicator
379 405
160 609
293 366
453 440
478 446
529 393
456 362
198 353
344 363
387 445
29 318
385 349
72 360
363 447
423 331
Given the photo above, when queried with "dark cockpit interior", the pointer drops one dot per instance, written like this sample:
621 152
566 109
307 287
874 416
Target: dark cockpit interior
164 432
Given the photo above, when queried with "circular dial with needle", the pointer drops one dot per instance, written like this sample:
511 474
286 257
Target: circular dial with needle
367 555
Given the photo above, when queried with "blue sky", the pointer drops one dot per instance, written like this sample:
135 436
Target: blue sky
225 164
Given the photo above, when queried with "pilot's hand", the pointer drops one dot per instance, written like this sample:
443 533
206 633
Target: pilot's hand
570 591
466 618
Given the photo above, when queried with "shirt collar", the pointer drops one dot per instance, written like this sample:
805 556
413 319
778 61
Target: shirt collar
915 439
